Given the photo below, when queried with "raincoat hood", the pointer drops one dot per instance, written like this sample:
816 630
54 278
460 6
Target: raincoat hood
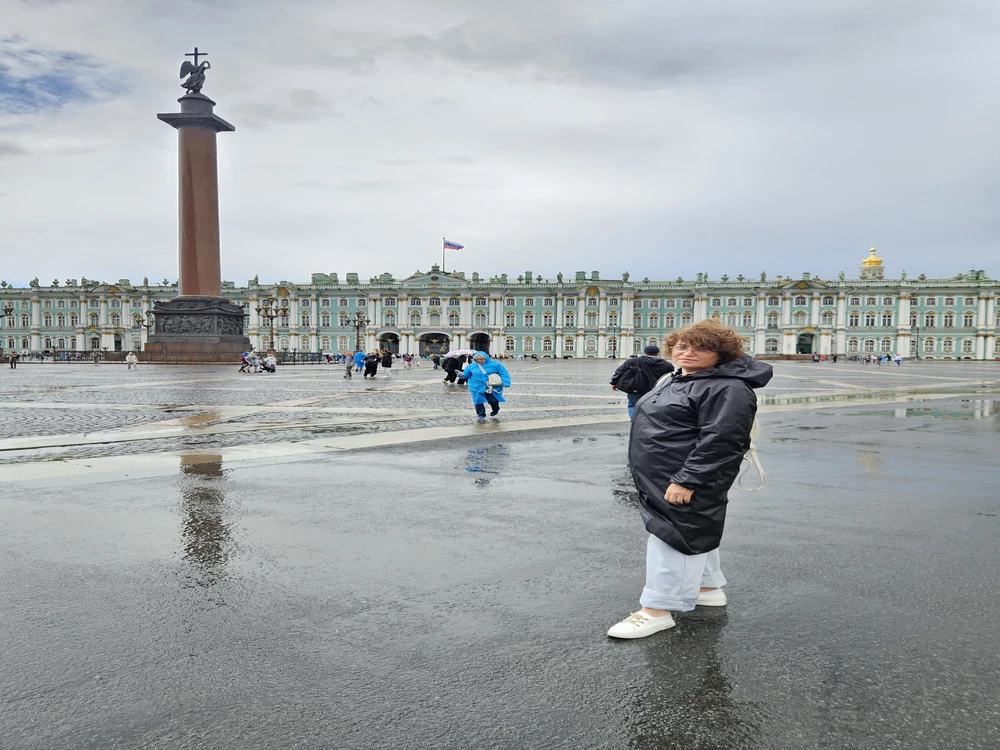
481 354
753 372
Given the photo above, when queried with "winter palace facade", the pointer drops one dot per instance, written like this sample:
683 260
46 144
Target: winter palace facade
582 316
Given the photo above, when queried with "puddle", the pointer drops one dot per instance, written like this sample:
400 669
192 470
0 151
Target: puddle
976 409
860 396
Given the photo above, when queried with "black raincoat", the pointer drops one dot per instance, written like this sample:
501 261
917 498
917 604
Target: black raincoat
693 430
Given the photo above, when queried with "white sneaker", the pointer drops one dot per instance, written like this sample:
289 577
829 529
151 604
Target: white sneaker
639 625
714 598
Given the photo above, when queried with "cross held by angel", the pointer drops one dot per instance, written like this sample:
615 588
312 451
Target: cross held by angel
194 72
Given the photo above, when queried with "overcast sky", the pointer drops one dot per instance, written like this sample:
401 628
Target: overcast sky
659 137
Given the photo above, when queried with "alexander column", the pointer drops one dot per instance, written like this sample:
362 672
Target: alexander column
199 321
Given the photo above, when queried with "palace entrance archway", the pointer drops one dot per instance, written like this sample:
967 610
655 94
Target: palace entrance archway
480 342
433 343
804 344
389 341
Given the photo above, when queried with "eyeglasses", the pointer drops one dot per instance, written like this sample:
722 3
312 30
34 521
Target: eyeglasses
693 349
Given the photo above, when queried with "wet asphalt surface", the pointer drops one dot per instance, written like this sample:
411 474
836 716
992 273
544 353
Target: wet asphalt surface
456 595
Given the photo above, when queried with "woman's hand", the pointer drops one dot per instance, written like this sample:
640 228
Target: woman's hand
677 495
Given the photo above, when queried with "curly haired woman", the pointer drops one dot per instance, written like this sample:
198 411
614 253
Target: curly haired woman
686 446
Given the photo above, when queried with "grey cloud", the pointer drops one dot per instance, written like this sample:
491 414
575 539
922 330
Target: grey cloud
296 105
11 149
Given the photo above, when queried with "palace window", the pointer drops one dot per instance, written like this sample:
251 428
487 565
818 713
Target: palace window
800 300
686 319
732 319
966 346
716 302
343 343
74 303
887 300
480 302
887 319
970 301
852 345
547 344
654 304
773 301
343 319
547 320
570 302
47 320
454 302
852 318
61 321
415 318
548 302
480 319
869 345
771 345
828 300
511 302
671 303
569 344
869 319
591 301
61 344
415 302
47 303
284 304
434 302
748 320
654 321
948 346
324 319
969 319
342 302
826 319
854 301
570 319
74 319
928 345
529 301
510 319
772 320
731 302
117 303
637 321
687 303
748 302
800 319
305 319
949 320
453 318
613 319
886 346
591 346
95 319
325 302
637 304
914 318
390 319
871 301
389 302
931 301
668 320
949 301
434 319
528 344
592 320
90 303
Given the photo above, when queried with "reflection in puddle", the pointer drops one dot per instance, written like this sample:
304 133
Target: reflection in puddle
206 538
871 462
974 409
684 699
486 460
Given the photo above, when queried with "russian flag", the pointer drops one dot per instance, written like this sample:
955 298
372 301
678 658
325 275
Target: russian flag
449 245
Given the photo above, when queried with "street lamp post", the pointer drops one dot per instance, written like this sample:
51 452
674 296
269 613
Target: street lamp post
614 329
8 310
916 331
360 322
144 322
268 310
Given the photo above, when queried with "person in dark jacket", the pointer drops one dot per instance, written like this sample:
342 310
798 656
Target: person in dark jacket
686 445
452 367
637 375
387 362
371 364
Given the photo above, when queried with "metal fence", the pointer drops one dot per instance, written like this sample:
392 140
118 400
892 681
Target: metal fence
160 358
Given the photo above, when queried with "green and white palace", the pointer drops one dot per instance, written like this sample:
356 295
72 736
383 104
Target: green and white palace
580 316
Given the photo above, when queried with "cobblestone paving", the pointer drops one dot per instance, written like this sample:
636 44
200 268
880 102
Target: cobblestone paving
300 403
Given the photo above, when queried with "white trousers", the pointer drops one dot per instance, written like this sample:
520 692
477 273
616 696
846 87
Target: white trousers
673 579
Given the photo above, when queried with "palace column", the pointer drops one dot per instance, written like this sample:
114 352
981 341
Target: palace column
760 329
903 325
36 323
841 345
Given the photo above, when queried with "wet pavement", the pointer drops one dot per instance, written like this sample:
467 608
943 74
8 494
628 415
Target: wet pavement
435 584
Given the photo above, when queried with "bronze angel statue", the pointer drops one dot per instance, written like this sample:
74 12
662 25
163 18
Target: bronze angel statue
195 74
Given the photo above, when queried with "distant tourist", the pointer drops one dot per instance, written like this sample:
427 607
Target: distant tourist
245 362
452 367
270 364
359 360
349 360
12 358
686 446
408 361
132 361
637 375
898 360
486 378
371 361
436 359
387 362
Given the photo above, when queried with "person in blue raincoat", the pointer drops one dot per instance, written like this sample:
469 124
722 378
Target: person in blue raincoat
478 375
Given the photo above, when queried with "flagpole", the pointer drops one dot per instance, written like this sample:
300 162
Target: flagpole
442 253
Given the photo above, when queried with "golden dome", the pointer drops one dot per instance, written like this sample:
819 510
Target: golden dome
872 260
